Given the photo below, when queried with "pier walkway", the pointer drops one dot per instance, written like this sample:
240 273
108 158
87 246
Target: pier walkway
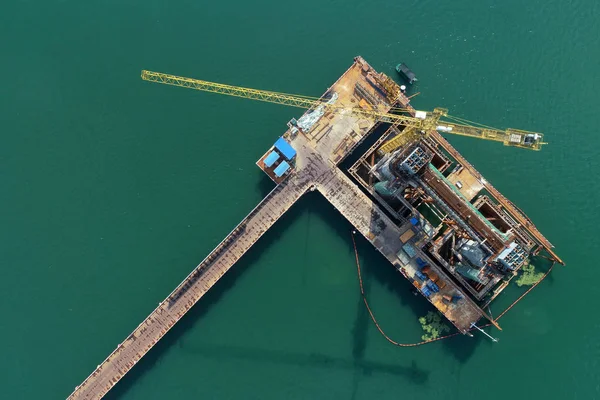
194 286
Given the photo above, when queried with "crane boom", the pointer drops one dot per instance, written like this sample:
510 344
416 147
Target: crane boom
271 97
421 122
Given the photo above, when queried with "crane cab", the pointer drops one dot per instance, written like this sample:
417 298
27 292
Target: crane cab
524 139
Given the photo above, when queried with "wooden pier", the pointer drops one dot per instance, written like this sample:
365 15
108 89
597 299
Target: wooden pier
194 286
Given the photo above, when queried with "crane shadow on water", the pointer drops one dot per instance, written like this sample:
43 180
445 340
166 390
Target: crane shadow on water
357 362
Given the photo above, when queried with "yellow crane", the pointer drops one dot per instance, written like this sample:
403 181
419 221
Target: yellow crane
420 124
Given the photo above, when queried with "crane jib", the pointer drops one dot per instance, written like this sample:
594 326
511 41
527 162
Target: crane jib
425 121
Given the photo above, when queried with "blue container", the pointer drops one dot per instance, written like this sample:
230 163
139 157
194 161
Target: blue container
420 262
408 249
414 221
435 288
425 290
420 275
456 299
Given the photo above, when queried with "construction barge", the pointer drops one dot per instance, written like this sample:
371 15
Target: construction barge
412 196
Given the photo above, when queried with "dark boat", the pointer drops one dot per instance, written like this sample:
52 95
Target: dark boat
406 73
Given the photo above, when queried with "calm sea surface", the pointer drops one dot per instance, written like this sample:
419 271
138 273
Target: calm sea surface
113 189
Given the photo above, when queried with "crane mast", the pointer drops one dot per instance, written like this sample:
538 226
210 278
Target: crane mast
420 124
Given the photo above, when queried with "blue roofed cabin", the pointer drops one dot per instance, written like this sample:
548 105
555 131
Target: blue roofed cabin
271 159
278 161
285 148
281 169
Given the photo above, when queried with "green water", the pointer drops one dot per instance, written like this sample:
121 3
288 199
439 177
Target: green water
113 189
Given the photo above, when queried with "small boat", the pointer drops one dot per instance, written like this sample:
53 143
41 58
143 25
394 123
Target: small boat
406 73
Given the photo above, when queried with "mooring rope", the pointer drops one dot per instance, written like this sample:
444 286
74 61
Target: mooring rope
528 290
362 292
